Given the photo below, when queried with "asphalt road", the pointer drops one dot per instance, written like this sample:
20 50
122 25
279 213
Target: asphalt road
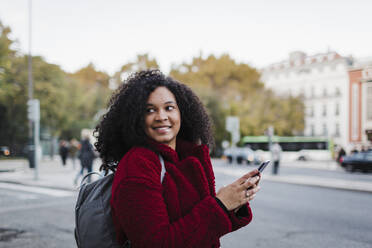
29 218
285 215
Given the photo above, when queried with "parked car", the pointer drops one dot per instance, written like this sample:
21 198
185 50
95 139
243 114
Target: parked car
357 161
241 155
4 151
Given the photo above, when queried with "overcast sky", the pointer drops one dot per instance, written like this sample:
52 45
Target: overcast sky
110 33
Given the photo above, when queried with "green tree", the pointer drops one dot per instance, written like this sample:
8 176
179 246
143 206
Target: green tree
142 62
68 102
13 128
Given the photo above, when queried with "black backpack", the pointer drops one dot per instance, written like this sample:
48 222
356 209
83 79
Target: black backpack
93 221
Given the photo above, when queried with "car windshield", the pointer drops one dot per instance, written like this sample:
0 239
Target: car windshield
358 156
369 156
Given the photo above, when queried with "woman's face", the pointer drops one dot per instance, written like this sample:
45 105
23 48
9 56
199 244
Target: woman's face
162 117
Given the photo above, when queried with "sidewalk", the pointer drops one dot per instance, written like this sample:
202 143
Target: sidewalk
53 175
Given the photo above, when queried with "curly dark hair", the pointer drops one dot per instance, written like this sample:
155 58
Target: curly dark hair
122 127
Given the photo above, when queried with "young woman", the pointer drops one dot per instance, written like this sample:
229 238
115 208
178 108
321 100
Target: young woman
151 114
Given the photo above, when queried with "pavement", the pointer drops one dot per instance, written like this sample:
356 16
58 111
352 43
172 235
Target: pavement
51 174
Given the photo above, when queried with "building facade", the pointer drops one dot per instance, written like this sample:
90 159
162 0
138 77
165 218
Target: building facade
323 82
360 104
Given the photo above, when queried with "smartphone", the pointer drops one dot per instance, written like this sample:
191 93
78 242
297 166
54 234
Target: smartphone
263 166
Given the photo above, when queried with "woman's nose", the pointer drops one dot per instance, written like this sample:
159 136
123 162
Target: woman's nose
162 115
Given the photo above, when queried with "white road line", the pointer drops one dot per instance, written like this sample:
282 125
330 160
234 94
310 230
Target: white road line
35 189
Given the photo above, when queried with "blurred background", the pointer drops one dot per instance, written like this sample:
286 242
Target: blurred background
300 68
297 74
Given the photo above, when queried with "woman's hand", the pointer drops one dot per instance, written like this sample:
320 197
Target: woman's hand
241 191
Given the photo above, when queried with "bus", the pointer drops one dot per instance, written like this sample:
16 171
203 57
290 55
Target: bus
295 147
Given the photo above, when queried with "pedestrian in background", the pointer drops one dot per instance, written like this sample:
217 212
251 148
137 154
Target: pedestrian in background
151 115
73 151
276 154
63 151
341 153
86 156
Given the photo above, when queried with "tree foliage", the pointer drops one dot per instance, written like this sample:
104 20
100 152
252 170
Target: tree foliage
142 62
68 102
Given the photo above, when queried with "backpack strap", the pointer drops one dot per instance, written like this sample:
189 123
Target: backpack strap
162 173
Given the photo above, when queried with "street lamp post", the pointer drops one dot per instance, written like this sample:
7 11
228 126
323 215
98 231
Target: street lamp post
33 105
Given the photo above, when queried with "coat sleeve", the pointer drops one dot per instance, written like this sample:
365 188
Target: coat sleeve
141 211
241 218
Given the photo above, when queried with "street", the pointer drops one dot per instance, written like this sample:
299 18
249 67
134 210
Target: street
288 215
285 215
33 218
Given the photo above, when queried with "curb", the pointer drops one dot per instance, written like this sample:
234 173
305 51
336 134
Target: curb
324 183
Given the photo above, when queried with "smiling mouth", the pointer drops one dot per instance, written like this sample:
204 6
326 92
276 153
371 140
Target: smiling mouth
163 128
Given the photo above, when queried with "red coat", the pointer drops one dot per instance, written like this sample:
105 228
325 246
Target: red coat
180 212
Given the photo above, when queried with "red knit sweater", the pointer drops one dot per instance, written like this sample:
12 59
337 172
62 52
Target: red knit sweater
180 212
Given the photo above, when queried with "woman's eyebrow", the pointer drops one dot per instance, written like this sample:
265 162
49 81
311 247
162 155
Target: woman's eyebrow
168 102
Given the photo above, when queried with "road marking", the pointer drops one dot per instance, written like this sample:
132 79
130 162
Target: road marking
38 190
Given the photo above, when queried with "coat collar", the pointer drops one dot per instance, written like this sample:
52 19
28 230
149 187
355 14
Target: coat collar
183 149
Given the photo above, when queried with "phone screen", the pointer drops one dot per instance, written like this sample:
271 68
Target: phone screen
263 166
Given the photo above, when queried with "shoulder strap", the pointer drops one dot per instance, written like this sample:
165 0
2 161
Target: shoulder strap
162 168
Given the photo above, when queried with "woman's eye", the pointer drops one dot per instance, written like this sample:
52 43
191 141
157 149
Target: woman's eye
150 110
170 108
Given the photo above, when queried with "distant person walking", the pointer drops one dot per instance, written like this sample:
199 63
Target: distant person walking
341 153
73 151
86 157
63 151
276 153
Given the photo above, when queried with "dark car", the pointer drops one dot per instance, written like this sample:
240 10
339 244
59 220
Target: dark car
358 161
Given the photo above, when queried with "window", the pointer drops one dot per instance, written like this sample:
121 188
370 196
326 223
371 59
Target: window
324 92
337 130
324 110
369 156
325 130
337 109
358 155
312 128
354 114
369 103
338 92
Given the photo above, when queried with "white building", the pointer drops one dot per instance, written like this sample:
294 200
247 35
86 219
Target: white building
323 81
